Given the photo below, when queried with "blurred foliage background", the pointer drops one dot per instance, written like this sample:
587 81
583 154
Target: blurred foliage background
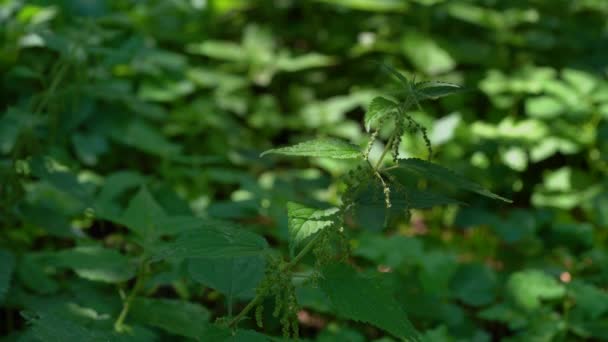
183 95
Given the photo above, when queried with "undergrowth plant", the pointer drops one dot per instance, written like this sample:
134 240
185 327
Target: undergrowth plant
322 232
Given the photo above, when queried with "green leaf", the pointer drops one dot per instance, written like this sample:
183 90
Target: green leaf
219 49
590 300
371 5
143 214
217 334
527 288
435 89
445 176
216 240
426 54
177 317
33 274
95 263
378 109
307 61
392 71
304 222
474 284
234 277
321 148
366 300
7 260
391 251
53 328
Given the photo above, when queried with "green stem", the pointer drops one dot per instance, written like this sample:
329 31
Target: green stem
285 268
387 147
139 282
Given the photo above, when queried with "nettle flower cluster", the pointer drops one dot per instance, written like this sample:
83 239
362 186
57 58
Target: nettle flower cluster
379 184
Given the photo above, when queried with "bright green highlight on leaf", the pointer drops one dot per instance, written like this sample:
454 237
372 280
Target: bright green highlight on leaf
528 288
304 222
321 148
378 109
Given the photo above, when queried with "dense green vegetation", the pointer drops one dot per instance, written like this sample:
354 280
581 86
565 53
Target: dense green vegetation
234 170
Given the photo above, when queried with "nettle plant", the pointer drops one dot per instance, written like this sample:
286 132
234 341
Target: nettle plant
321 232
169 249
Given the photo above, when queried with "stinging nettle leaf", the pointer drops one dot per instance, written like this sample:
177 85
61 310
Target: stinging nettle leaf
95 263
435 89
321 148
234 277
365 299
177 317
378 109
143 214
304 222
214 241
445 176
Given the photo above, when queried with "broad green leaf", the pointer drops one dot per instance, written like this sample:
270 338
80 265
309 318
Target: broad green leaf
544 107
590 300
175 316
371 5
445 176
307 61
474 284
393 72
143 214
67 182
426 54
393 251
51 328
95 263
33 274
527 288
321 148
435 89
145 137
217 240
366 300
436 270
304 222
234 277
52 220
89 147
378 109
7 260
106 203
219 49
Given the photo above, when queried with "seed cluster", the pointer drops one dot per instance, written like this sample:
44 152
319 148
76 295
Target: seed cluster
277 283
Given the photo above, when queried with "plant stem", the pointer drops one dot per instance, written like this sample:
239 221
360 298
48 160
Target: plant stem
139 282
285 268
387 147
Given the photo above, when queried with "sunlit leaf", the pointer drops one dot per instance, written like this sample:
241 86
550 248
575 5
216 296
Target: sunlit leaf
304 222
378 109
321 148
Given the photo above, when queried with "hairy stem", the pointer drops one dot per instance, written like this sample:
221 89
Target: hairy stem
387 147
139 282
